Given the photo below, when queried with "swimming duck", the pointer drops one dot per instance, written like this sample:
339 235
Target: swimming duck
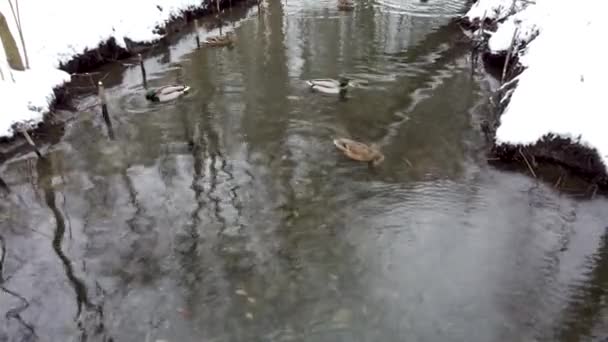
167 93
346 5
328 86
359 151
221 40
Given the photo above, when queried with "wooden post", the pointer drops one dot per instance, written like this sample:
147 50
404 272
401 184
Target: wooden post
29 140
104 109
198 40
143 71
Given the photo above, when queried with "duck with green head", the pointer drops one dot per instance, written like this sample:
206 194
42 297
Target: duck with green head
329 86
167 93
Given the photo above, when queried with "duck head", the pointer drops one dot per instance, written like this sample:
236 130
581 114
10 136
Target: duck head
151 95
344 82
378 158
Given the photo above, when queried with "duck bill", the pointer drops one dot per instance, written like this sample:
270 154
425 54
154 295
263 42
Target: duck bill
339 143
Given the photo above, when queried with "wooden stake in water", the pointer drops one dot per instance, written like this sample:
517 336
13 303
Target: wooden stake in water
509 53
104 109
143 70
198 40
29 140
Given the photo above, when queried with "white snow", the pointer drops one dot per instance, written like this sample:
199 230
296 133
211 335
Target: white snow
55 31
25 100
561 89
493 9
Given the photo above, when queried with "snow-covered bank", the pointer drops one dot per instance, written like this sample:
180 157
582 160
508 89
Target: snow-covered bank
558 92
56 31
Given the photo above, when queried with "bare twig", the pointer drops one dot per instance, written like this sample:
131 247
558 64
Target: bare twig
85 74
483 21
507 95
29 140
508 83
527 163
509 53
558 182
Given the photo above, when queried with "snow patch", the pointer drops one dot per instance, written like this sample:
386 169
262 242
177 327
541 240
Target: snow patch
55 31
561 89
493 9
28 98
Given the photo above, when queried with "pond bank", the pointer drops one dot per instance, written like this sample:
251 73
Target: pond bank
547 110
108 37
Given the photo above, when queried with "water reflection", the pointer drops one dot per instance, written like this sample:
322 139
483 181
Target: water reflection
228 215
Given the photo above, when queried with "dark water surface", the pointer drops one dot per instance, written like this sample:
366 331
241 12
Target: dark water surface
230 216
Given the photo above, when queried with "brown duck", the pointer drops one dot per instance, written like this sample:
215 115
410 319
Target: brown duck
346 5
359 151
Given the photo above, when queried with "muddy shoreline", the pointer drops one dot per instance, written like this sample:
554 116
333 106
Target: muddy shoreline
83 69
551 158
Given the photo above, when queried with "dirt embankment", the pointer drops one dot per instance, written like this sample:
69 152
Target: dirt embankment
552 158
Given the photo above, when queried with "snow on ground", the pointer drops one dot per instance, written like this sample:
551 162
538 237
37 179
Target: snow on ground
493 9
560 91
25 100
55 31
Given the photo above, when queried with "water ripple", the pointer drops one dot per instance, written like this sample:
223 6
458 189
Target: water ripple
421 8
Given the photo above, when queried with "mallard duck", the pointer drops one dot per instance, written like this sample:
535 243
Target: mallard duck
359 151
346 5
222 40
167 93
328 86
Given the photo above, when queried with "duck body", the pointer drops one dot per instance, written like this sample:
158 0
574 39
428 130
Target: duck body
222 40
346 5
167 93
359 151
328 86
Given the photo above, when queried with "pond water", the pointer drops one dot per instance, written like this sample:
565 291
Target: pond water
228 215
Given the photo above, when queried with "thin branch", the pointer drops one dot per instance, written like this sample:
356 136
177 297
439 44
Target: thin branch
18 14
508 83
527 163
509 53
